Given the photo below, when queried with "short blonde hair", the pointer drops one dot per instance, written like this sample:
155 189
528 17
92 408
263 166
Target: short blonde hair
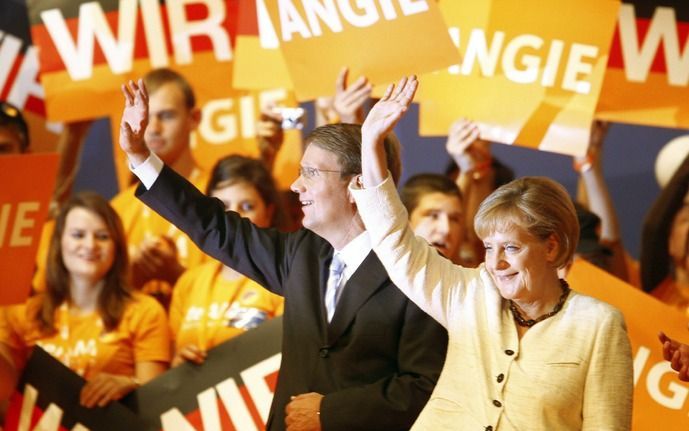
540 206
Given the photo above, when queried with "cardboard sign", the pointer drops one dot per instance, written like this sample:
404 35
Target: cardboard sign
28 186
232 390
19 82
382 40
89 48
258 65
528 79
647 79
660 399
47 398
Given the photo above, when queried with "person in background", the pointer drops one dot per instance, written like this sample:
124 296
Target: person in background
88 302
677 354
434 204
477 173
665 243
513 324
160 252
14 132
356 353
212 302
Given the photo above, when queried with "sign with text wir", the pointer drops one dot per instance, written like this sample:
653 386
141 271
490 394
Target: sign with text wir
530 79
380 39
647 79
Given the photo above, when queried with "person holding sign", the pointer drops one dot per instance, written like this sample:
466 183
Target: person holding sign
212 302
525 352
357 354
88 318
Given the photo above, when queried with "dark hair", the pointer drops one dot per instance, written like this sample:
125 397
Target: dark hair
421 185
115 293
11 117
344 140
502 174
156 78
235 168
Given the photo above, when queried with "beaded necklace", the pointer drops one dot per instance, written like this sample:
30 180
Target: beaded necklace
521 321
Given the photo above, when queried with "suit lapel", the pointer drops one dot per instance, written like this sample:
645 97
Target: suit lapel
367 279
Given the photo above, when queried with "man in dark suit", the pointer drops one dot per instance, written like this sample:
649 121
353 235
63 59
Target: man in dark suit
364 358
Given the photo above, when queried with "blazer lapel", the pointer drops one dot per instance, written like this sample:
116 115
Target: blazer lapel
365 281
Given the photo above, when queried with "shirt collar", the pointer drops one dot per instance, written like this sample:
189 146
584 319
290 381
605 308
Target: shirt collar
354 253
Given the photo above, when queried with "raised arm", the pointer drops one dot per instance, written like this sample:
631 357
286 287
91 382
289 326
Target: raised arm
379 122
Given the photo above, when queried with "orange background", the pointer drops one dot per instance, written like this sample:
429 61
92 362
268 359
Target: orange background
32 177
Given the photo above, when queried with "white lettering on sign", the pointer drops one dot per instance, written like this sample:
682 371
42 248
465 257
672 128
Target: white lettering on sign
77 56
17 224
331 12
219 120
668 393
25 83
232 400
638 59
50 419
522 59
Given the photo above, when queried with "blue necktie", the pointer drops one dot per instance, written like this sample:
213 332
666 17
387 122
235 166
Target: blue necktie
332 290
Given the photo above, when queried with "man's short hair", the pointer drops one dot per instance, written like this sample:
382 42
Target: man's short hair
344 140
156 78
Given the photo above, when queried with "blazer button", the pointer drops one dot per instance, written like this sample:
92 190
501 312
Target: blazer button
509 352
489 428
497 403
323 352
501 377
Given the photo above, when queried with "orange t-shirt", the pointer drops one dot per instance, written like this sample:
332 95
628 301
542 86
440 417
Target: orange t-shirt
141 223
207 309
80 341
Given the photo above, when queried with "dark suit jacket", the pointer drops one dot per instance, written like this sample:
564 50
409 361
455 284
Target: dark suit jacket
376 362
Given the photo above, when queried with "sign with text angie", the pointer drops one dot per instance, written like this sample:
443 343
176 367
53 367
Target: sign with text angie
28 182
380 39
660 399
87 49
19 80
528 79
647 79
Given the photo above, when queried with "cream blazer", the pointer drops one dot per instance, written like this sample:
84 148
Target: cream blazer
572 371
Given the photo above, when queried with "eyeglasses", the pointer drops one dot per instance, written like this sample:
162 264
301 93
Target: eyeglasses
309 173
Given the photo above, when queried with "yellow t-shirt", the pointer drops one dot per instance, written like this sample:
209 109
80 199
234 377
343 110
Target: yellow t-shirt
141 222
81 342
206 309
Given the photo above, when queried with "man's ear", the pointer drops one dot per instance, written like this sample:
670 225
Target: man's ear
354 182
195 117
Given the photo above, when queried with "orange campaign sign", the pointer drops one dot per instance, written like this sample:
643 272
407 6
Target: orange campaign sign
527 79
87 49
660 399
380 39
28 182
258 63
647 79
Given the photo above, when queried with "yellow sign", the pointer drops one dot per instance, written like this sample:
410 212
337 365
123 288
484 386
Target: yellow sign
530 79
380 39
660 399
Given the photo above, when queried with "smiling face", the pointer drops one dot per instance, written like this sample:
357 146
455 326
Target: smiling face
88 249
521 265
170 123
438 219
243 198
328 208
